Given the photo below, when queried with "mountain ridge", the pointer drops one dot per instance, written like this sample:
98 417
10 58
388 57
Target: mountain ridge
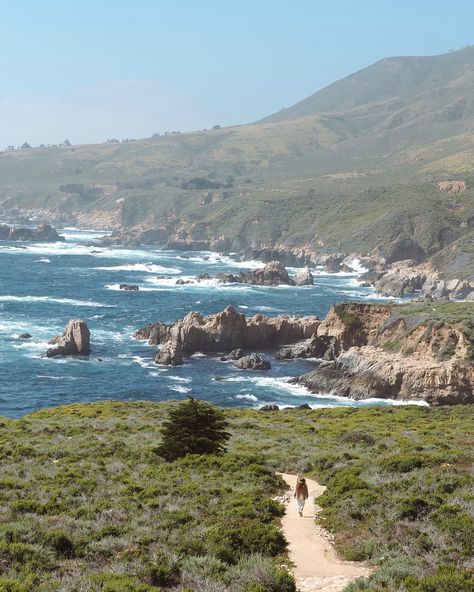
348 180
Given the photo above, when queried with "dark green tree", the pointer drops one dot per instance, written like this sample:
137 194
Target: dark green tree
193 427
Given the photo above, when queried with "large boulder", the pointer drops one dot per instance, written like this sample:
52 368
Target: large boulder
303 277
271 274
171 354
44 233
75 341
391 285
252 362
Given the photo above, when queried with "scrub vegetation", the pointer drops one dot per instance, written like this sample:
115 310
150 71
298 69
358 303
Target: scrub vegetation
87 503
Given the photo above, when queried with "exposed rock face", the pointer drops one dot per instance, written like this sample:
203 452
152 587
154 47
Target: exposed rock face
74 341
303 277
451 187
44 233
380 353
225 331
252 362
155 333
293 257
171 354
272 274
403 249
235 354
129 287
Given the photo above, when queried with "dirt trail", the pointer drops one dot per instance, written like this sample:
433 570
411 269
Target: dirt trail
317 568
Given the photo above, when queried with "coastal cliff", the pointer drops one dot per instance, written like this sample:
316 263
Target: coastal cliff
412 352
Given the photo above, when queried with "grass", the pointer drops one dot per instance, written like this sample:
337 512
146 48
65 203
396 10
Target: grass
86 504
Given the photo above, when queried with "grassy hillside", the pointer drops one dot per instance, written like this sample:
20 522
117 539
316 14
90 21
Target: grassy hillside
88 506
352 166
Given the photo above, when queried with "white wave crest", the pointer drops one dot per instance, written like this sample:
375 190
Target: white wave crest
48 299
144 267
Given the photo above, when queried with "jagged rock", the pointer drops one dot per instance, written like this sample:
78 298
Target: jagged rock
74 341
203 276
294 257
155 333
333 263
129 287
171 354
272 274
402 249
435 288
303 277
315 347
24 336
345 268
391 285
305 406
252 362
230 330
42 234
181 282
470 297
226 278
269 408
369 278
436 369
235 354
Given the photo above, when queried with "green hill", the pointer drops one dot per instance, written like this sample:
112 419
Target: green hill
349 168
88 505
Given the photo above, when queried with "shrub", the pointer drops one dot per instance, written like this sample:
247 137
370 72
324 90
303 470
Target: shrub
120 583
446 579
356 436
403 463
61 543
12 586
193 427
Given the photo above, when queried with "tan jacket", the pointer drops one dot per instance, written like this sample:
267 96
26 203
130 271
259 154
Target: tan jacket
301 490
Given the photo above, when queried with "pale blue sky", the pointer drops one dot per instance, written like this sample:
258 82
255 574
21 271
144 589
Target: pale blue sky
92 69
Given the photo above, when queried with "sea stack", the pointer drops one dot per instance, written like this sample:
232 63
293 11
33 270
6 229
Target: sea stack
75 340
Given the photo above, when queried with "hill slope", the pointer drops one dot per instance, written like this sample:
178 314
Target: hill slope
349 168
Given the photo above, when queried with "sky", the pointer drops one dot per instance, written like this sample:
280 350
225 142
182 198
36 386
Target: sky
90 70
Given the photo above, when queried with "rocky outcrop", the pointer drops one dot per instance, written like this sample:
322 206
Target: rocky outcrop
129 287
235 354
377 351
224 332
44 233
271 274
252 362
303 277
75 340
24 336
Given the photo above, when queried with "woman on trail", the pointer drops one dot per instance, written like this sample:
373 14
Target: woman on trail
301 493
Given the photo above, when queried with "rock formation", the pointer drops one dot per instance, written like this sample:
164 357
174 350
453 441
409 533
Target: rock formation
223 332
75 340
44 233
252 362
377 351
303 277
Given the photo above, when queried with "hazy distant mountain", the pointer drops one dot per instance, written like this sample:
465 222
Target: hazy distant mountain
351 167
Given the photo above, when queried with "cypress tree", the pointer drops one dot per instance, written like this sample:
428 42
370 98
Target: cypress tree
193 427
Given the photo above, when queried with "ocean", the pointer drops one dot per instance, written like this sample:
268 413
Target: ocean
42 286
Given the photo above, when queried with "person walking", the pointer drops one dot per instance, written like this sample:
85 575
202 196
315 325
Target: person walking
301 493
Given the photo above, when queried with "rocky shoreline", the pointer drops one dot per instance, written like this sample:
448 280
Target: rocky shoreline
398 268
363 350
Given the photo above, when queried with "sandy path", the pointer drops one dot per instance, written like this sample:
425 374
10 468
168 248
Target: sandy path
317 568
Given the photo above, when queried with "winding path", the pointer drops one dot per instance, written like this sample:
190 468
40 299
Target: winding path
317 568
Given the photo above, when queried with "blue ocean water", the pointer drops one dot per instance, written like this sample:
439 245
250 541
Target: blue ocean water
42 286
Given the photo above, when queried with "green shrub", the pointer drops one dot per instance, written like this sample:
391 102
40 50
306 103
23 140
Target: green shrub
120 583
446 579
416 507
403 463
61 543
13 586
